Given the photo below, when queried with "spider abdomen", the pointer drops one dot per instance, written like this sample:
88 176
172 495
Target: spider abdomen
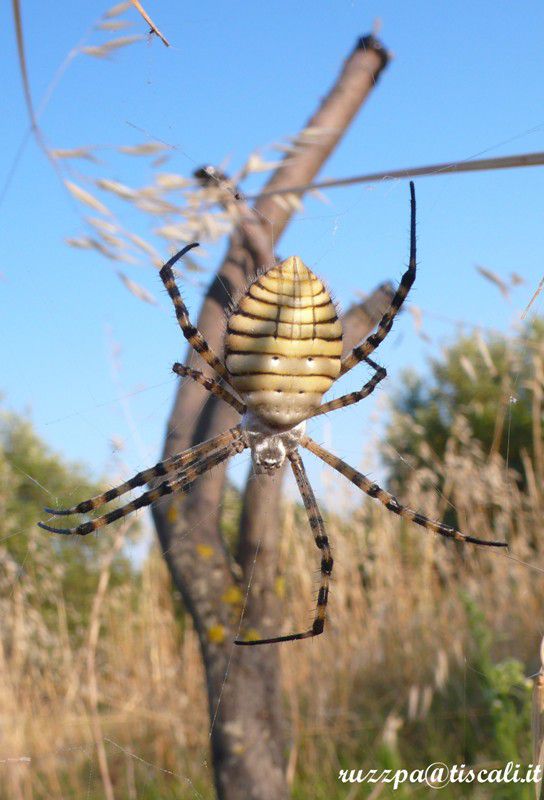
283 344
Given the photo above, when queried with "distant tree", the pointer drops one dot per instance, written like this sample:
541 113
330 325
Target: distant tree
494 383
27 466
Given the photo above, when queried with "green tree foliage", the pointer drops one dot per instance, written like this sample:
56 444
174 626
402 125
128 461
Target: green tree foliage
491 383
31 476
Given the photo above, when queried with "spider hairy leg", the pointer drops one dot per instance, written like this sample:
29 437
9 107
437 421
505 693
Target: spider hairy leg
192 334
212 386
175 463
391 502
386 323
181 483
354 397
321 539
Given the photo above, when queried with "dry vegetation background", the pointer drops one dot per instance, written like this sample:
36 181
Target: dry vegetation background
425 658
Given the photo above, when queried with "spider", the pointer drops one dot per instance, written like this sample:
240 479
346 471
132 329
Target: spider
283 348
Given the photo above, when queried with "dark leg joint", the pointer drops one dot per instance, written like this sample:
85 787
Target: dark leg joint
318 626
326 565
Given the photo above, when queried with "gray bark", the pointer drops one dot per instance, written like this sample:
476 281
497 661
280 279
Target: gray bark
248 728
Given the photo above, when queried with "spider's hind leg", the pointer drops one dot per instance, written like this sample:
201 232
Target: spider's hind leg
389 501
176 463
321 539
179 483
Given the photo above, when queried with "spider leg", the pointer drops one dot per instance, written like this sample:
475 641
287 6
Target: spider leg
354 397
213 386
321 539
389 501
386 323
192 334
181 483
176 463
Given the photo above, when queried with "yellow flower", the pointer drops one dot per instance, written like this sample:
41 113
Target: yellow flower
204 550
216 634
233 596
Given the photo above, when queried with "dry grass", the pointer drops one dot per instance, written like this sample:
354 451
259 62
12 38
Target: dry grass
149 689
82 706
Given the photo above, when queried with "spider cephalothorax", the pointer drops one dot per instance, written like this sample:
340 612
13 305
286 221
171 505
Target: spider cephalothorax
282 353
269 445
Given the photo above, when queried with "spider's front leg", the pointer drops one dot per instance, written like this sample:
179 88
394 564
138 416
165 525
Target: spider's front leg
386 323
192 334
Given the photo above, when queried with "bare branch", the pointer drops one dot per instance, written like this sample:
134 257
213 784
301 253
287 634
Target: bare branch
324 130
447 168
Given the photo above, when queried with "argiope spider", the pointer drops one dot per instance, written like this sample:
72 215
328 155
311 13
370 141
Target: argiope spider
283 350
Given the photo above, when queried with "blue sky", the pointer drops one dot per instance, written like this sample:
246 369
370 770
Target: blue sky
466 79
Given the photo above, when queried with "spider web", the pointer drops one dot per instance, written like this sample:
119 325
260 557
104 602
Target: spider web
332 222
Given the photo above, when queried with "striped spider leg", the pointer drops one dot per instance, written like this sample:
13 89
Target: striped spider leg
389 501
186 466
175 463
211 385
318 529
364 349
192 334
314 515
354 397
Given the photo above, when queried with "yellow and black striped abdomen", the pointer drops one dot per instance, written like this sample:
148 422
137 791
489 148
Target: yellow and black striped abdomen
283 344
